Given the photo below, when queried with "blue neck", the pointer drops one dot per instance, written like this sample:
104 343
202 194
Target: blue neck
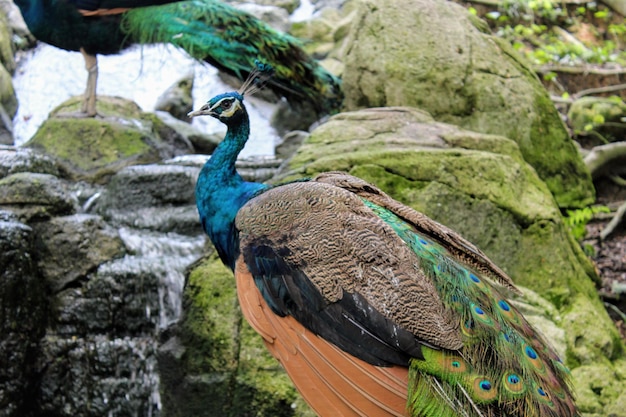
221 192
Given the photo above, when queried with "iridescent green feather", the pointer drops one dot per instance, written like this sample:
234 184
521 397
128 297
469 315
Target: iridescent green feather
232 40
504 368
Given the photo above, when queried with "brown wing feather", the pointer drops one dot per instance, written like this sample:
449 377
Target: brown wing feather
462 249
343 247
332 382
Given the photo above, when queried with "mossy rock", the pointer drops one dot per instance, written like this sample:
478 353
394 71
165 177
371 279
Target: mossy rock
36 196
222 367
603 115
479 185
92 149
433 55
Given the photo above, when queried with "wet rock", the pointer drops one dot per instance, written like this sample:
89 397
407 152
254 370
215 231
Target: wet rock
183 219
276 17
254 168
201 142
99 376
258 169
36 196
121 298
23 318
132 295
92 149
290 144
151 185
69 247
177 100
14 160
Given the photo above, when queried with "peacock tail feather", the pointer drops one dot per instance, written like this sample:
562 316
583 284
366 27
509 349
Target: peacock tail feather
232 40
504 367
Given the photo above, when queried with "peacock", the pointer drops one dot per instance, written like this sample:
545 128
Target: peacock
208 30
372 308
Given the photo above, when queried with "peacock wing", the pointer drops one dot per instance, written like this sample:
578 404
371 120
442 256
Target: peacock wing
318 254
337 297
458 247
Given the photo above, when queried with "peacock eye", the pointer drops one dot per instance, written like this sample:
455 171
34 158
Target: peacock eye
226 105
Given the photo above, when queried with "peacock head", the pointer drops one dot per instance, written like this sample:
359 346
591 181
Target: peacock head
227 108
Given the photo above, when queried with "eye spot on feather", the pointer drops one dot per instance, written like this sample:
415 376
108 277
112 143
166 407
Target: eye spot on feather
453 364
541 392
530 352
513 383
504 305
479 311
474 278
423 242
484 390
485 385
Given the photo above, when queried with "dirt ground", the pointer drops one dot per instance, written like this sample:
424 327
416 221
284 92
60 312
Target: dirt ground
610 255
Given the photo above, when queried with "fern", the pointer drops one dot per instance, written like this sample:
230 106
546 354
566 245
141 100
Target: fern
577 220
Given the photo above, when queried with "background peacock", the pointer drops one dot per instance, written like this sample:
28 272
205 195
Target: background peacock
372 308
208 30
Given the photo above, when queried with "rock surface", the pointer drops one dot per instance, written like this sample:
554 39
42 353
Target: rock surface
92 149
398 55
23 317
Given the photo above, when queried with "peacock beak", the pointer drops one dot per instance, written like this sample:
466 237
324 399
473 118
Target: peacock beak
205 110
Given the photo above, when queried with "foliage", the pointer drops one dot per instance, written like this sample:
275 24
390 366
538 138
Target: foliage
576 220
542 31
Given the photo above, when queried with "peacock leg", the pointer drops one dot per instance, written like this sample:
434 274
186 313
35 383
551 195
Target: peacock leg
89 99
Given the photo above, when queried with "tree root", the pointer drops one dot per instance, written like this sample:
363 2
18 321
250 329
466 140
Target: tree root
605 159
614 223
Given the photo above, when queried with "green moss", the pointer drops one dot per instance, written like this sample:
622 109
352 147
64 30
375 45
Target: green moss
557 160
591 337
96 143
212 319
92 149
600 389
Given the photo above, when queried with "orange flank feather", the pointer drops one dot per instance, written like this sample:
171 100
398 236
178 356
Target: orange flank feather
332 382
